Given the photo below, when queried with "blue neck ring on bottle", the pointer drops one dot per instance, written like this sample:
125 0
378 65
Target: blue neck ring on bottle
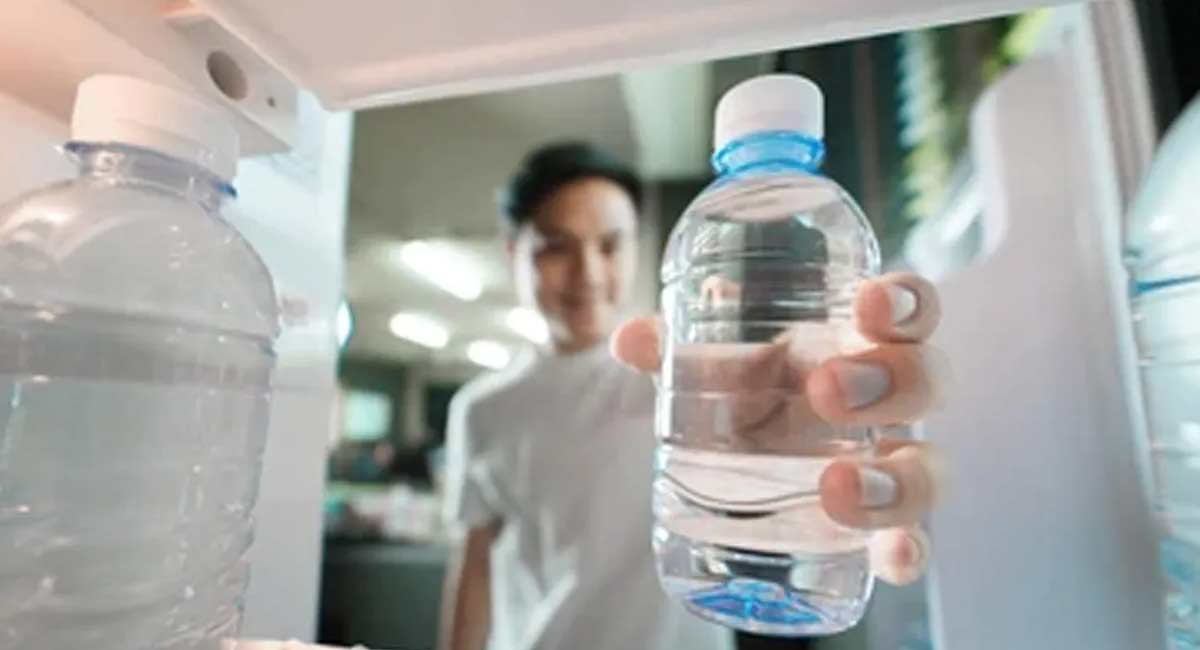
773 149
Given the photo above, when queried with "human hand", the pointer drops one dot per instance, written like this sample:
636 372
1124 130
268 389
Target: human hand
895 381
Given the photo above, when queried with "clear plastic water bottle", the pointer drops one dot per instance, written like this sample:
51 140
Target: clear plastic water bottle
760 275
1163 258
136 333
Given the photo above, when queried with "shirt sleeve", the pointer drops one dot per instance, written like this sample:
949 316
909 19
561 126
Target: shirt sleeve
467 503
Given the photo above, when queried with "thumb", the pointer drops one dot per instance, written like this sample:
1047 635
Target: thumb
636 344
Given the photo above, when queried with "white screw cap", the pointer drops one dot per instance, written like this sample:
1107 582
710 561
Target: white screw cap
776 102
114 108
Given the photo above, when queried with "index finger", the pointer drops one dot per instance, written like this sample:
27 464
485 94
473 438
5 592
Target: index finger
897 308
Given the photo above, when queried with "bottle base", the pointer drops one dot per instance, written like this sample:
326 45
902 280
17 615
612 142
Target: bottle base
765 593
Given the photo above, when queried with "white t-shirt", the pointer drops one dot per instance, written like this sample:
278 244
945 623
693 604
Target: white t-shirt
560 449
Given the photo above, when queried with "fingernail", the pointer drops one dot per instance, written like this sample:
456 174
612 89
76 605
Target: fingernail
877 489
916 551
904 303
862 384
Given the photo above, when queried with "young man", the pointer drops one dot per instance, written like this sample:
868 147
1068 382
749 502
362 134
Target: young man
549 465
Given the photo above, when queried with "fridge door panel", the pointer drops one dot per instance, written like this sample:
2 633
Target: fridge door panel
1043 541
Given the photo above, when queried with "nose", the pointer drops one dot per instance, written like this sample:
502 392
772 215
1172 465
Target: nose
590 267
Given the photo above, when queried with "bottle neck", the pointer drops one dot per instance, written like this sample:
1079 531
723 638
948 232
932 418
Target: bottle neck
770 150
126 164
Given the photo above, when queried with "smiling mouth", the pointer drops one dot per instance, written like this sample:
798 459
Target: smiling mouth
582 303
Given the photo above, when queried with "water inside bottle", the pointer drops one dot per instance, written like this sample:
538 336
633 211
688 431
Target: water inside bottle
741 535
128 451
1169 347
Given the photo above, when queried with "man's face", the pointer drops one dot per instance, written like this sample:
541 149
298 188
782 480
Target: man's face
575 260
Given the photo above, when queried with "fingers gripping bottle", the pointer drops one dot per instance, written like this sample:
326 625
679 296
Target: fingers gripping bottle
759 278
136 334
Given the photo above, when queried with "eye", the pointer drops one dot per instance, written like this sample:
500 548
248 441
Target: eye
610 246
552 247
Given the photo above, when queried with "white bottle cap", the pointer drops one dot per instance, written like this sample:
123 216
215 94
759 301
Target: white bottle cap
113 108
776 102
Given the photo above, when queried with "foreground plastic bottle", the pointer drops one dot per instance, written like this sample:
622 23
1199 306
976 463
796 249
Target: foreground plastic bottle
759 276
1163 257
136 333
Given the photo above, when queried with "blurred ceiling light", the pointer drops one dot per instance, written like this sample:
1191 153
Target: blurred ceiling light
419 329
443 267
344 324
488 354
529 324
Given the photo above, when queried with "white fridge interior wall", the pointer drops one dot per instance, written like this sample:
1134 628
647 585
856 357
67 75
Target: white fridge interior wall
28 157
145 40
456 47
292 209
1044 541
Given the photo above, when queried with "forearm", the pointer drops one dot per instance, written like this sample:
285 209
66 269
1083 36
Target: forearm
466 595
466 612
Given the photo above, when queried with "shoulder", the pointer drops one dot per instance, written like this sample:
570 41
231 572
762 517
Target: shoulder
491 395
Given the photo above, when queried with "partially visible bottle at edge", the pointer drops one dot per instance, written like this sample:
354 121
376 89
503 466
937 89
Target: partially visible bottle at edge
760 275
136 333
1163 258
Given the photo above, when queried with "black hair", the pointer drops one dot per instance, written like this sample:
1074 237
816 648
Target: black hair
548 168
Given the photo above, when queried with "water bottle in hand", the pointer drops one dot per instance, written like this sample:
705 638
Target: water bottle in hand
760 276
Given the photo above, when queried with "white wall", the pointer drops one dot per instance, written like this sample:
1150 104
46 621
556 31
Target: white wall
292 208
